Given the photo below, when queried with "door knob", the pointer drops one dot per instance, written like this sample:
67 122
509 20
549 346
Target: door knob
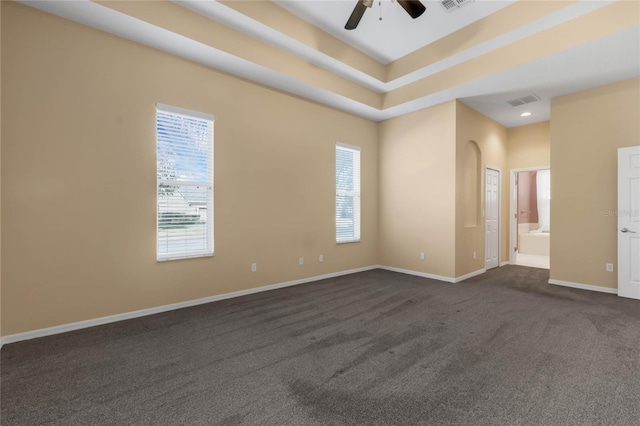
625 230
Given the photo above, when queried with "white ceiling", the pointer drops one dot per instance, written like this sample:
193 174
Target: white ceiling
397 34
599 62
603 60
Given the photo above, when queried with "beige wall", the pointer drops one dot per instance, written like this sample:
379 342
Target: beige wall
424 199
606 20
491 139
586 129
78 176
530 145
77 179
417 191
0 169
287 23
504 20
179 20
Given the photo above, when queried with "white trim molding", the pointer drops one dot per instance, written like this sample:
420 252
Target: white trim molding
584 286
470 274
34 334
418 274
433 276
505 263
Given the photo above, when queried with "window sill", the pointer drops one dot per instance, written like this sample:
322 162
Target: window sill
348 241
183 257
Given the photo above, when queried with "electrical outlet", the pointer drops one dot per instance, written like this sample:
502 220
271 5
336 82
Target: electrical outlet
475 255
421 256
254 267
609 267
321 258
301 261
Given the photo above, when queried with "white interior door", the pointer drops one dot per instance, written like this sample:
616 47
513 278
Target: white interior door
629 222
492 219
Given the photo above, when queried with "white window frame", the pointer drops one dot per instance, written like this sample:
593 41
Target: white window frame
356 150
208 184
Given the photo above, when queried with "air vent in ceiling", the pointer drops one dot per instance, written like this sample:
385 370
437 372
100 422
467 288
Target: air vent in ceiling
523 100
452 5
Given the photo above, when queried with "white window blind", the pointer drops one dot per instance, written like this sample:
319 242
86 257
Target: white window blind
347 193
185 183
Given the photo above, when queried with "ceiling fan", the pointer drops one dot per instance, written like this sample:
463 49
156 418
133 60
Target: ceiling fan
413 7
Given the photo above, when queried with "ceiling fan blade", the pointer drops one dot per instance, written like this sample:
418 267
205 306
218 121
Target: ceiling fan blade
413 7
356 15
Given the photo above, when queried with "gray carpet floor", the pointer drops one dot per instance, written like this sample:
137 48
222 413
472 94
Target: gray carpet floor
374 348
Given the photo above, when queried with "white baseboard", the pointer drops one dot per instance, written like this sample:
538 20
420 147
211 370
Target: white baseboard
471 274
12 338
504 263
432 276
584 286
418 274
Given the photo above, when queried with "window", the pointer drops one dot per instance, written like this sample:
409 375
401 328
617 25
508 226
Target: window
347 193
185 183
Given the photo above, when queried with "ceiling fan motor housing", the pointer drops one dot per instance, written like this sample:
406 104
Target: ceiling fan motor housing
413 7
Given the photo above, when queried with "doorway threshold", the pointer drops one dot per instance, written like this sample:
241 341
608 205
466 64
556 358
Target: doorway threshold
532 260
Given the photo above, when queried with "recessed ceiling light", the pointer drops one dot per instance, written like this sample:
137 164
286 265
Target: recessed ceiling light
525 114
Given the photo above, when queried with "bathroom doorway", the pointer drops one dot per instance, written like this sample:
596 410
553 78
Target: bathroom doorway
530 217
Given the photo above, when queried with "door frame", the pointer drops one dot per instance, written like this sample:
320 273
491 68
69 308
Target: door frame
626 217
488 167
513 207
